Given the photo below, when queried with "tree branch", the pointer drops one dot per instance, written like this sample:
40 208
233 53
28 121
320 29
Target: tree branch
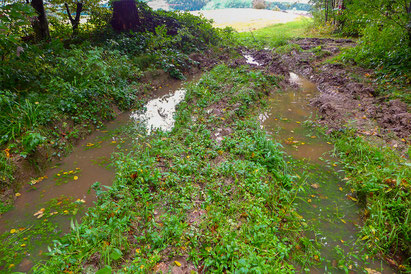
69 14
79 8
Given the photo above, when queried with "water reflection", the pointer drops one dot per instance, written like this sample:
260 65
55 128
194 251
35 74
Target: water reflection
325 206
159 112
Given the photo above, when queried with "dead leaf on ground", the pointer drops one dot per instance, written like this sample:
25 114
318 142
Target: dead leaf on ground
315 186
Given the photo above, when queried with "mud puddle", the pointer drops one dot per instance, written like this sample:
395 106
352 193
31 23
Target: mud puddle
327 207
250 59
159 112
45 207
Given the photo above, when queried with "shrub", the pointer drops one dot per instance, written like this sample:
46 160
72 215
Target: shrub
259 4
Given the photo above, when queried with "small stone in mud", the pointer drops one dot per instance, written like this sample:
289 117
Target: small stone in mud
315 186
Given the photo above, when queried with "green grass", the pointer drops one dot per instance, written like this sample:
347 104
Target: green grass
275 35
381 179
224 206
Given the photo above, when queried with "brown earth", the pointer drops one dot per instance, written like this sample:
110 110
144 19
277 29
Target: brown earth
343 102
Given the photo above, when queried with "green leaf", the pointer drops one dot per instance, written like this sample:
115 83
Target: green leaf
105 270
116 254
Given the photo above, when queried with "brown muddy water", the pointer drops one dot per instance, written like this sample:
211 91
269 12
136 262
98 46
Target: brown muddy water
89 162
327 207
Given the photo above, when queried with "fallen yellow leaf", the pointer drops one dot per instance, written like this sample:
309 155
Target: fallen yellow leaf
7 152
75 178
177 263
17 194
12 231
365 237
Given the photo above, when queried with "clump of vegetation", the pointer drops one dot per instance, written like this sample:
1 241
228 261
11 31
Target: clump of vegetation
381 179
287 48
384 30
224 205
275 36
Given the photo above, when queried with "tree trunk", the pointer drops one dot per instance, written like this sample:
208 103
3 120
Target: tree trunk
409 25
326 10
125 16
41 25
76 21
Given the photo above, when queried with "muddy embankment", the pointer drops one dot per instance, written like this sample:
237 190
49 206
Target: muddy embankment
342 101
28 168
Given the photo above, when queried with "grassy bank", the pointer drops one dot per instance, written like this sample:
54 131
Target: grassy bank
275 35
53 93
380 177
187 199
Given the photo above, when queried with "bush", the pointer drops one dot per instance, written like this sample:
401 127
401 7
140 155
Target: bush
384 49
259 4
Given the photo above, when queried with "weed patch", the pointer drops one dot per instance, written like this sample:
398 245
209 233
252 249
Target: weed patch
182 197
381 180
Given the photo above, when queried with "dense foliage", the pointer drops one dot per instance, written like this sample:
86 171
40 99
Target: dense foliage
384 29
53 92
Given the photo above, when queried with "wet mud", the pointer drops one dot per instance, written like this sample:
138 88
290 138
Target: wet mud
72 178
332 218
342 101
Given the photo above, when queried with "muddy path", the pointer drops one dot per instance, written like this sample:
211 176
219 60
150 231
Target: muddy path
343 101
45 208
332 219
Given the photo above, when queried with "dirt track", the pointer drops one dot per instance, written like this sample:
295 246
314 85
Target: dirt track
343 102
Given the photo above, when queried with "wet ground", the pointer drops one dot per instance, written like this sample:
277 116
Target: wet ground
71 180
347 98
347 95
328 208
